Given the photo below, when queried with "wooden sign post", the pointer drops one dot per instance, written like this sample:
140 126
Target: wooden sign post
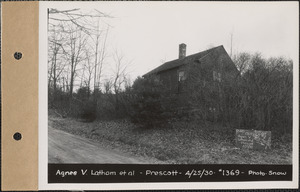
253 139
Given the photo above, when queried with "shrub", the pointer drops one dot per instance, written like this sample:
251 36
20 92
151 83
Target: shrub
151 105
83 106
88 111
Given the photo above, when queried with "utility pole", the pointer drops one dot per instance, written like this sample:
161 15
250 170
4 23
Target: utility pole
231 36
231 41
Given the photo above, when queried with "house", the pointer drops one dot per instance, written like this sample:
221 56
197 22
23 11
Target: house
216 63
200 78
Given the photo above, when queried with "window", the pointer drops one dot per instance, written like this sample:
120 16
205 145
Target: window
216 76
181 76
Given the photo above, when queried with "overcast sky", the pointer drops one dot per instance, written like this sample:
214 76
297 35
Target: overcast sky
149 32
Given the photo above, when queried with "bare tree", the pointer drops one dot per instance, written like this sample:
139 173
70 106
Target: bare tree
119 75
76 17
242 61
56 66
265 92
74 52
89 68
107 86
103 55
77 59
99 52
85 22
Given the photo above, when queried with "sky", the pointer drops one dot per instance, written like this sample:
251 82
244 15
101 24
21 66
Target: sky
149 33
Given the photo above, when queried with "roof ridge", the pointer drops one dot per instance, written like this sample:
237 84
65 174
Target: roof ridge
194 54
176 63
210 51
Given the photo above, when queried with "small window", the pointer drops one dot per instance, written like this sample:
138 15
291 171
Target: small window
181 76
216 76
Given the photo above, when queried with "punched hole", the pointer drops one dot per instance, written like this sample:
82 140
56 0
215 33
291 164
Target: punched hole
17 136
18 55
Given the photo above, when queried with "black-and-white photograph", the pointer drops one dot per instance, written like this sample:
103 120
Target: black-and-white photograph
171 83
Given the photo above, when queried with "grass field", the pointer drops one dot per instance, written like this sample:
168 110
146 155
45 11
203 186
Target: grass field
180 142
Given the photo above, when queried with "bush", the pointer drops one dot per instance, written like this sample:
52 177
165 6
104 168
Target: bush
83 106
88 111
151 105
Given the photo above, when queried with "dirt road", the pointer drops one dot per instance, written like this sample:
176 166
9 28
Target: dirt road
67 148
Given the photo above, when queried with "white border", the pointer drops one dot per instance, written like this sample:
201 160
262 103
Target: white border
43 127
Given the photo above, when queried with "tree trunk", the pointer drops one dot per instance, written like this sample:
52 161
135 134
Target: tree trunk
72 77
54 78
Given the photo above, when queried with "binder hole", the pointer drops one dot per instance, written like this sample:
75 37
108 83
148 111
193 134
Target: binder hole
18 55
17 136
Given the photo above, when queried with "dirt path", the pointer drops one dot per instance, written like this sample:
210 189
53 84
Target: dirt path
67 148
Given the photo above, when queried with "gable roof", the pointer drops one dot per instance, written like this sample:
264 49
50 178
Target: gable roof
179 62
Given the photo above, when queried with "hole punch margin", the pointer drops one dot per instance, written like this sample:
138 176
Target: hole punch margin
18 55
17 136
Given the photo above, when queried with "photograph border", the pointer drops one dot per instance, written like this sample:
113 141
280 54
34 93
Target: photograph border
43 130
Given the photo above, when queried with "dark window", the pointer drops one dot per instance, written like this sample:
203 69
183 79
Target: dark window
216 76
181 81
181 76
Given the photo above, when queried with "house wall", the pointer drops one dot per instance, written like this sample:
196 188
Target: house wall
170 79
218 61
201 71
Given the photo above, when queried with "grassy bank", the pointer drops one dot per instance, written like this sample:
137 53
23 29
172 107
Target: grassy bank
180 142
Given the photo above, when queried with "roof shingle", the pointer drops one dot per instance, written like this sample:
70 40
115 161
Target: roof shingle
178 62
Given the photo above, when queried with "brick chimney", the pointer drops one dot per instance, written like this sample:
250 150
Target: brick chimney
182 50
